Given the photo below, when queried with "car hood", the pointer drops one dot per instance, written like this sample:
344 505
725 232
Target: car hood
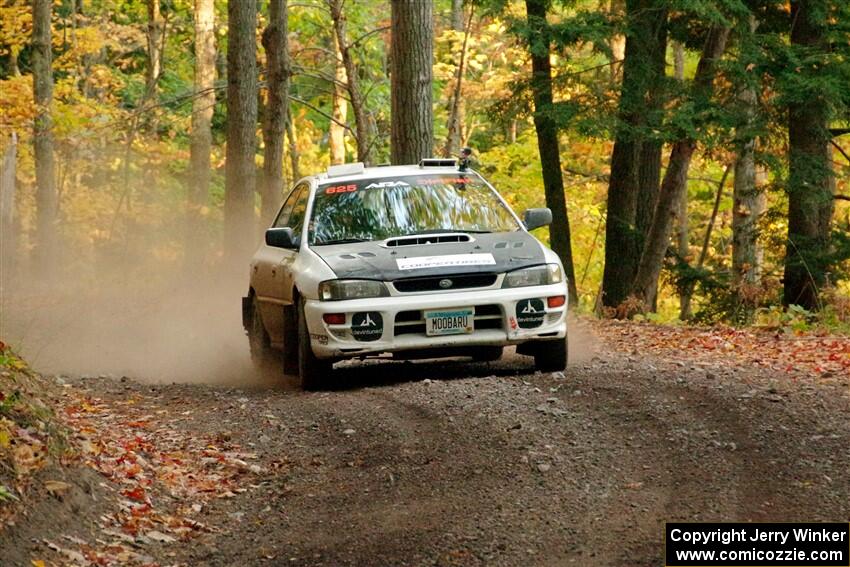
483 253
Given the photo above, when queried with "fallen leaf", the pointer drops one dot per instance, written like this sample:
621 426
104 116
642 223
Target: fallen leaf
56 487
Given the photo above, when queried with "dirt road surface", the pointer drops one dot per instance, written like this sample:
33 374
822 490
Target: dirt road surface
458 463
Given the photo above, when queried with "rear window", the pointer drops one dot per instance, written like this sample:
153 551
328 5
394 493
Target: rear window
377 209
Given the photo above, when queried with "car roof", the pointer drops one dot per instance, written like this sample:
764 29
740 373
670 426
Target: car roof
391 171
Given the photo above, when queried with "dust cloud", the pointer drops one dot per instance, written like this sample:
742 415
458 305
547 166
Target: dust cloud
151 327
152 322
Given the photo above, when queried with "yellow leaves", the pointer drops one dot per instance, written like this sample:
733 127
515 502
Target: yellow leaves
37 563
16 102
28 457
89 41
6 428
15 25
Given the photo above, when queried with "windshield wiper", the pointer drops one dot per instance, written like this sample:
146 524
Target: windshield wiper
340 241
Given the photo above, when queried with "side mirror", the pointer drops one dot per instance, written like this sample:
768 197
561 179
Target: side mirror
281 238
535 218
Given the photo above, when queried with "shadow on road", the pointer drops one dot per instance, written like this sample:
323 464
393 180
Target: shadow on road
352 375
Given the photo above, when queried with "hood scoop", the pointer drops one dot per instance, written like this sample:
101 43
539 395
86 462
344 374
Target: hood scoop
427 239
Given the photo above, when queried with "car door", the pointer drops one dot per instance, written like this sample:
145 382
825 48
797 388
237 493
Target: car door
267 267
295 221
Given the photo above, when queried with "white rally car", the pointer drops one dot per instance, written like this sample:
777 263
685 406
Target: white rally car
419 261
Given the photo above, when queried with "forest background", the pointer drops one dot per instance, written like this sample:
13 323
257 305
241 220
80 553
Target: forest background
701 159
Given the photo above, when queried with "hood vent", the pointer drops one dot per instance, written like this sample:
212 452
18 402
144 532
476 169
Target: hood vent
427 239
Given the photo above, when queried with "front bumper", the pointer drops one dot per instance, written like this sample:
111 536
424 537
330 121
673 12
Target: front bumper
402 325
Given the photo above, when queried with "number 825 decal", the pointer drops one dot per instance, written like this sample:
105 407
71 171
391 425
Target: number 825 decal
341 189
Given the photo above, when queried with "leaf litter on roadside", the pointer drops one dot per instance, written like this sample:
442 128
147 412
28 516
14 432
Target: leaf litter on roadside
798 354
163 476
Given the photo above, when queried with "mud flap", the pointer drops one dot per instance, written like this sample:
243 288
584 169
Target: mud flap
529 348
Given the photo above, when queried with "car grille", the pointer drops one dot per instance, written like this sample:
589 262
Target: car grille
413 322
460 281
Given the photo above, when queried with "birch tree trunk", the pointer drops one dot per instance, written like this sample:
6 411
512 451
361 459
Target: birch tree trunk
617 43
156 28
412 51
748 206
675 177
8 222
682 224
274 123
240 170
45 176
200 143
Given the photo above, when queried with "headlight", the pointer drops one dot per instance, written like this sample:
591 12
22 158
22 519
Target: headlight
538 275
335 290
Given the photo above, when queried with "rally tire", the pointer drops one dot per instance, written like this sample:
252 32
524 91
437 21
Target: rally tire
551 356
267 362
312 371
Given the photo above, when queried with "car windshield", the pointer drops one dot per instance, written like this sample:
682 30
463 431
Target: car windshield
376 209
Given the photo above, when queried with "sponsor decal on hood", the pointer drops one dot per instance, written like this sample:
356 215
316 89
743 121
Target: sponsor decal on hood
452 260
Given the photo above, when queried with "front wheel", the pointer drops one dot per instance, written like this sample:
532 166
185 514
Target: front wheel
551 356
313 372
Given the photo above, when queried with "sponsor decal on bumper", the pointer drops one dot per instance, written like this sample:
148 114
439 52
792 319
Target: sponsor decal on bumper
399 323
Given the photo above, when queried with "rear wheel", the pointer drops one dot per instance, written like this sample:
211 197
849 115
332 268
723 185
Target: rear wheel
267 362
551 356
313 372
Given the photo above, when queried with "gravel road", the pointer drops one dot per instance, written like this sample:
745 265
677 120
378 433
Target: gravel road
459 463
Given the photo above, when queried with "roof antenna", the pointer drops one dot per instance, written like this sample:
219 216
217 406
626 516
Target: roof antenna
465 157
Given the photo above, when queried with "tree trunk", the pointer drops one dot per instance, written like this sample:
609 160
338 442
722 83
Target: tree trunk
547 139
649 165
647 19
8 222
617 43
411 53
274 123
810 180
292 138
156 28
682 240
454 137
748 206
45 198
676 175
336 130
362 121
240 170
200 143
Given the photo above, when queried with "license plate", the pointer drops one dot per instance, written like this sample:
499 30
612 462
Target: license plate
449 321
